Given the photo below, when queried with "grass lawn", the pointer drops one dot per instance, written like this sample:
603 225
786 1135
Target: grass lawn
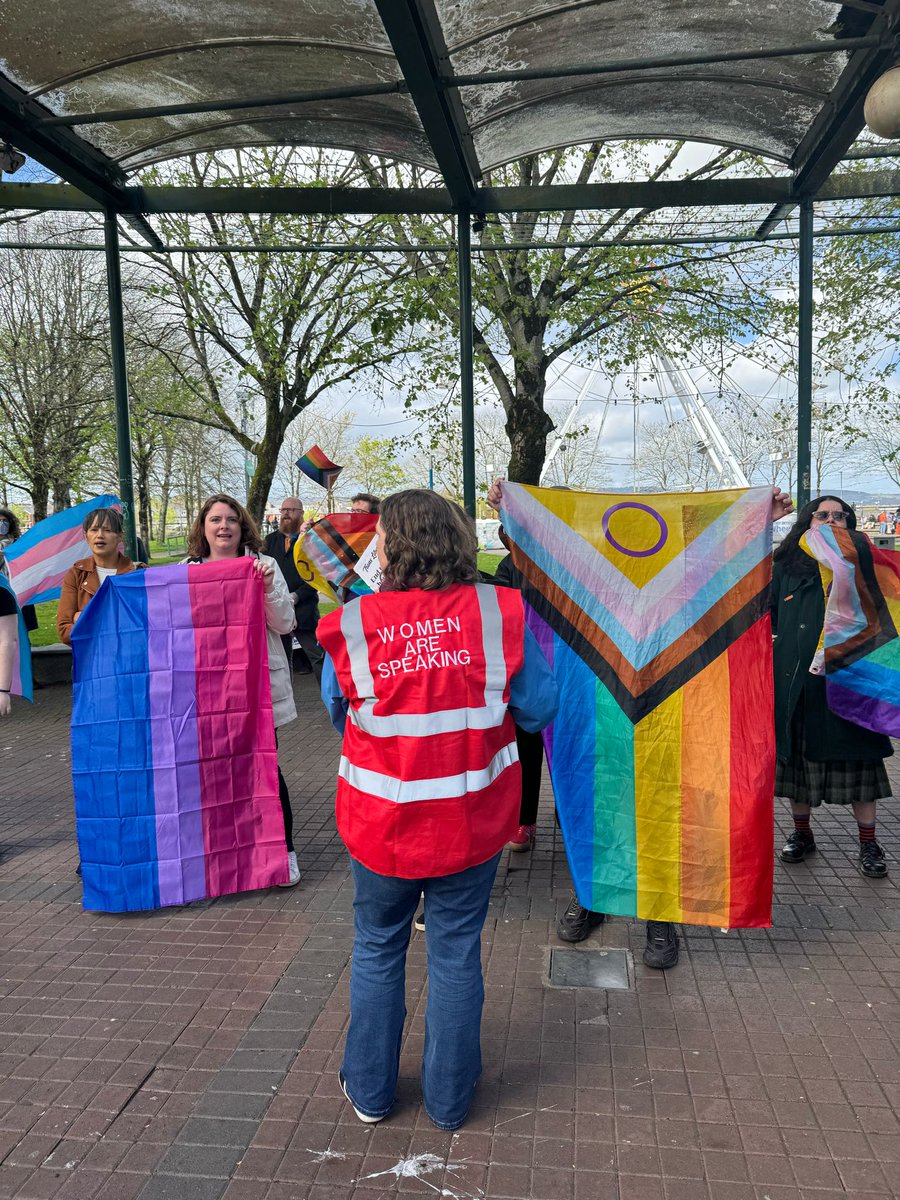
46 635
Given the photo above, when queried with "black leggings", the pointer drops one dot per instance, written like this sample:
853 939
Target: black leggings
531 756
286 810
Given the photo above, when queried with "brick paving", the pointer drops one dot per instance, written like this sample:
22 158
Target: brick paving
192 1053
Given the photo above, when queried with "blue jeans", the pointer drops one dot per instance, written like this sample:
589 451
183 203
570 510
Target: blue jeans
383 908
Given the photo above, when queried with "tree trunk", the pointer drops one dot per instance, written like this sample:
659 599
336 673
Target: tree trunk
62 496
40 496
261 483
142 478
527 426
165 491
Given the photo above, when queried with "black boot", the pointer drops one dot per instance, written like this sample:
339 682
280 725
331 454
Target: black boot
797 847
577 922
871 860
661 950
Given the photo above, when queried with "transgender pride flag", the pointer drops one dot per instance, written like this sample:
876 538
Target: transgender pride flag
173 742
39 559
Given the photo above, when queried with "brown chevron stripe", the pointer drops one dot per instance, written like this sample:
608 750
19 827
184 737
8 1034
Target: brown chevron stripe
636 682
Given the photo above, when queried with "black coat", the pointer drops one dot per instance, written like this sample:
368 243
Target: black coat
798 612
306 608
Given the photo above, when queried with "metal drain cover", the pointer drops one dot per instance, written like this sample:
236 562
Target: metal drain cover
589 968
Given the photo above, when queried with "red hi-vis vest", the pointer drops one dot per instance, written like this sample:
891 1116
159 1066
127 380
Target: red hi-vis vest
429 781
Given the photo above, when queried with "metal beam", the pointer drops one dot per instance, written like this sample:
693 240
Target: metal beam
418 42
120 379
660 63
804 354
841 119
96 177
871 150
596 196
60 150
466 358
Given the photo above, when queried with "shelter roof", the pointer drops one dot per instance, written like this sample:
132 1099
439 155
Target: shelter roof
460 86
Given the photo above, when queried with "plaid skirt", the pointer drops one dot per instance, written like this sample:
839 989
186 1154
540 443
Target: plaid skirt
842 782
798 778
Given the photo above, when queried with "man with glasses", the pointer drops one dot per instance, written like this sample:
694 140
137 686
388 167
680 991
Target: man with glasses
280 545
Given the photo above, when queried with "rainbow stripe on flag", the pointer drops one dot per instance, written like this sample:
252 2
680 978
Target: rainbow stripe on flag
339 551
22 684
318 467
39 559
653 613
859 652
173 742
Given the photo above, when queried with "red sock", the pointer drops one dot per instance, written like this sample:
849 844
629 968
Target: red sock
866 832
801 824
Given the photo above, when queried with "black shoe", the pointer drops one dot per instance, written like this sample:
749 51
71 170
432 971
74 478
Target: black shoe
661 950
871 860
577 922
419 922
78 870
797 847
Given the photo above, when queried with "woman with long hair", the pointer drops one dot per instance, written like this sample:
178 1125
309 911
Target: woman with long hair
424 679
103 531
224 529
820 756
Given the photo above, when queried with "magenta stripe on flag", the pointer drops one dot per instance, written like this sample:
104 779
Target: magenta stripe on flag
173 721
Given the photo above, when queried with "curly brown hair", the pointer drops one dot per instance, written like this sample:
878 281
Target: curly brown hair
198 546
429 542
15 529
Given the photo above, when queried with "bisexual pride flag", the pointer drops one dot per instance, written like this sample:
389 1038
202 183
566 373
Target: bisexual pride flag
859 651
318 467
173 741
21 673
339 552
39 559
653 612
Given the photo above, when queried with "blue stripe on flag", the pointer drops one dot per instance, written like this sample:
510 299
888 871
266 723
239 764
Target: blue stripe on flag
112 756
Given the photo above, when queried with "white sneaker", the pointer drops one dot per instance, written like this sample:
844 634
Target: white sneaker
293 871
367 1120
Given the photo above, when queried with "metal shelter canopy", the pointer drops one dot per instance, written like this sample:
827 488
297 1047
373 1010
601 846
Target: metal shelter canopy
459 86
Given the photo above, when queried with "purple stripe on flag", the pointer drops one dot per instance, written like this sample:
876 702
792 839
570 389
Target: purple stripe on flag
180 848
544 635
882 716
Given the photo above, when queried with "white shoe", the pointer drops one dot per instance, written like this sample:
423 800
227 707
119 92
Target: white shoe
293 871
364 1117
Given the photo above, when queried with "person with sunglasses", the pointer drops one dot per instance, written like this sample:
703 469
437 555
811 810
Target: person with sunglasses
820 756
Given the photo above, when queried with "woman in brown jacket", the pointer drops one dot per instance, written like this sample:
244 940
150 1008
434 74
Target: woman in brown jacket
103 530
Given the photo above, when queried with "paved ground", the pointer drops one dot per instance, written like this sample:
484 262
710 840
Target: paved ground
192 1053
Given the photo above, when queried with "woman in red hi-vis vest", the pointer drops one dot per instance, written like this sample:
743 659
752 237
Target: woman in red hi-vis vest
424 679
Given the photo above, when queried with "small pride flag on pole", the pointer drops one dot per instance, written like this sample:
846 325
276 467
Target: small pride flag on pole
318 467
39 559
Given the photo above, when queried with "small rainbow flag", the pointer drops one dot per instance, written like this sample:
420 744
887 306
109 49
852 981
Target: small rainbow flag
173 742
859 652
653 614
21 674
341 550
40 558
318 467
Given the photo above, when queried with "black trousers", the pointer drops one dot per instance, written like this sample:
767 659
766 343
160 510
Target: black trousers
310 654
286 811
531 756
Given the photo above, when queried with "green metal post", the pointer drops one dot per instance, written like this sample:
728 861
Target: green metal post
120 380
804 355
466 352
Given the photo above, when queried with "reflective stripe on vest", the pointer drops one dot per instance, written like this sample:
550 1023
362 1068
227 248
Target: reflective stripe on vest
445 787
451 720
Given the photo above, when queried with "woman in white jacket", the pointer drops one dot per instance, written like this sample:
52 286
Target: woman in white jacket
224 529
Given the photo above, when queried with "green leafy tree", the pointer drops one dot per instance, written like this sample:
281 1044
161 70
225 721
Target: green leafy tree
591 296
288 327
374 464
